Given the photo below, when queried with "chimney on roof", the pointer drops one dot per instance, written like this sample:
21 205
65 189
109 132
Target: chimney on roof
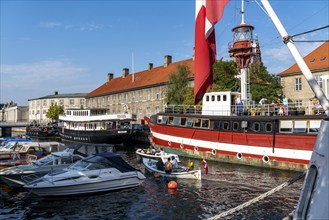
150 66
125 72
167 60
110 76
55 93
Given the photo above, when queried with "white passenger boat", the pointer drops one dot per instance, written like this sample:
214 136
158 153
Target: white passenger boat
150 165
97 173
17 176
164 156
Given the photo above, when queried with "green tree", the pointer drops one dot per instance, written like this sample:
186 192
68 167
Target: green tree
178 86
54 111
224 77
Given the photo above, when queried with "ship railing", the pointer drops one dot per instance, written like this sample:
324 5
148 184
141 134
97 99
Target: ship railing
272 109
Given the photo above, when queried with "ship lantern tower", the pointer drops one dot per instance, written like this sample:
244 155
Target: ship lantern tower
242 50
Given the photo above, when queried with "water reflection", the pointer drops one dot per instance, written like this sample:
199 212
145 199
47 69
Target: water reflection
225 187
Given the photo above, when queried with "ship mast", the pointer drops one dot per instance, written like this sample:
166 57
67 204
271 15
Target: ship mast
243 49
298 58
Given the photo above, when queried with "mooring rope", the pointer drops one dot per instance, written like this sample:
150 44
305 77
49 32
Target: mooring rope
252 201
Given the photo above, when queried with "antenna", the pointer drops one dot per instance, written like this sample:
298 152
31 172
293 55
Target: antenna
242 12
132 66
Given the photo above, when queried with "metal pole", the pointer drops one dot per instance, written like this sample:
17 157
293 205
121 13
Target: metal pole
298 58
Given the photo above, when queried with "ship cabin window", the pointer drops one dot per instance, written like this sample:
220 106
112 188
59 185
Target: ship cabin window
176 121
226 125
207 98
165 119
285 126
268 127
224 98
183 122
205 123
212 98
171 120
197 123
218 98
300 126
159 121
314 126
256 126
235 126
189 122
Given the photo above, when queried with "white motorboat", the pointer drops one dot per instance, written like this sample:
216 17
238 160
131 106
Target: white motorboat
150 165
97 173
17 176
164 156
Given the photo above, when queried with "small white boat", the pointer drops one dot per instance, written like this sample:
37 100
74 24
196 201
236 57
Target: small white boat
150 165
97 173
17 176
164 156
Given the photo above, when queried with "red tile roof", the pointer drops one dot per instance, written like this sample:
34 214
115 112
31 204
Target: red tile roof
154 76
316 60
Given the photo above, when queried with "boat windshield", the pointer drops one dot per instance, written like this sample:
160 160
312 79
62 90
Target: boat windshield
47 160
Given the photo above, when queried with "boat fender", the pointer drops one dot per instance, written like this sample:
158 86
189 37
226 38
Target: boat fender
196 148
266 159
169 143
239 155
172 185
213 152
181 146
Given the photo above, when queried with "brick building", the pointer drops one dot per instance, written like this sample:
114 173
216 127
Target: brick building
141 93
295 85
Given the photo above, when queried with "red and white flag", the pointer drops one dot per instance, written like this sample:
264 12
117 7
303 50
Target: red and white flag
208 13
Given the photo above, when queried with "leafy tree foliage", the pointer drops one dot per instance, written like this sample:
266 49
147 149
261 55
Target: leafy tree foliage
178 84
54 111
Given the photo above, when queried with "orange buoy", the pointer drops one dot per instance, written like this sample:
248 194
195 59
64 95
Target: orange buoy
172 185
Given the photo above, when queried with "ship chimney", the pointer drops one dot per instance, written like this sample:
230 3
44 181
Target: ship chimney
150 66
167 60
110 76
55 93
125 72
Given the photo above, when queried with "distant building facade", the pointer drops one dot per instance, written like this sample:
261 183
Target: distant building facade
141 93
12 113
38 107
295 85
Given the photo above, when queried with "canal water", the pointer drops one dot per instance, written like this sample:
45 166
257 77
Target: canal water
224 187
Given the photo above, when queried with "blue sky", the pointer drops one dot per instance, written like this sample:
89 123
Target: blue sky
71 46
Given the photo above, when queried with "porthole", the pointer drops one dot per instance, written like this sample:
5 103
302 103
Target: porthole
213 152
266 159
239 155
195 148
181 146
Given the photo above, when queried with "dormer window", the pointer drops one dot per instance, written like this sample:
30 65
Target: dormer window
323 59
312 60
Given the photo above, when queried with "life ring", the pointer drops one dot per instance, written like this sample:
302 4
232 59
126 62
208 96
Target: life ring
266 159
181 146
196 148
169 143
213 152
239 155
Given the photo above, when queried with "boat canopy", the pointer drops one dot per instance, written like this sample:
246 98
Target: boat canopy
111 159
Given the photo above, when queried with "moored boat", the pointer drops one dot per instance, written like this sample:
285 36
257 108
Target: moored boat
95 126
19 175
150 165
142 153
97 173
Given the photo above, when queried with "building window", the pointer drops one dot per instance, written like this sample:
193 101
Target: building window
119 99
108 100
140 95
126 98
148 94
299 102
113 98
298 84
61 102
157 93
133 97
38 103
44 102
44 112
319 80
140 113
52 102
103 101
82 101
71 101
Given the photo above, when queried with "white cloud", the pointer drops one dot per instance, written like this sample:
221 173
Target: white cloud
50 24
